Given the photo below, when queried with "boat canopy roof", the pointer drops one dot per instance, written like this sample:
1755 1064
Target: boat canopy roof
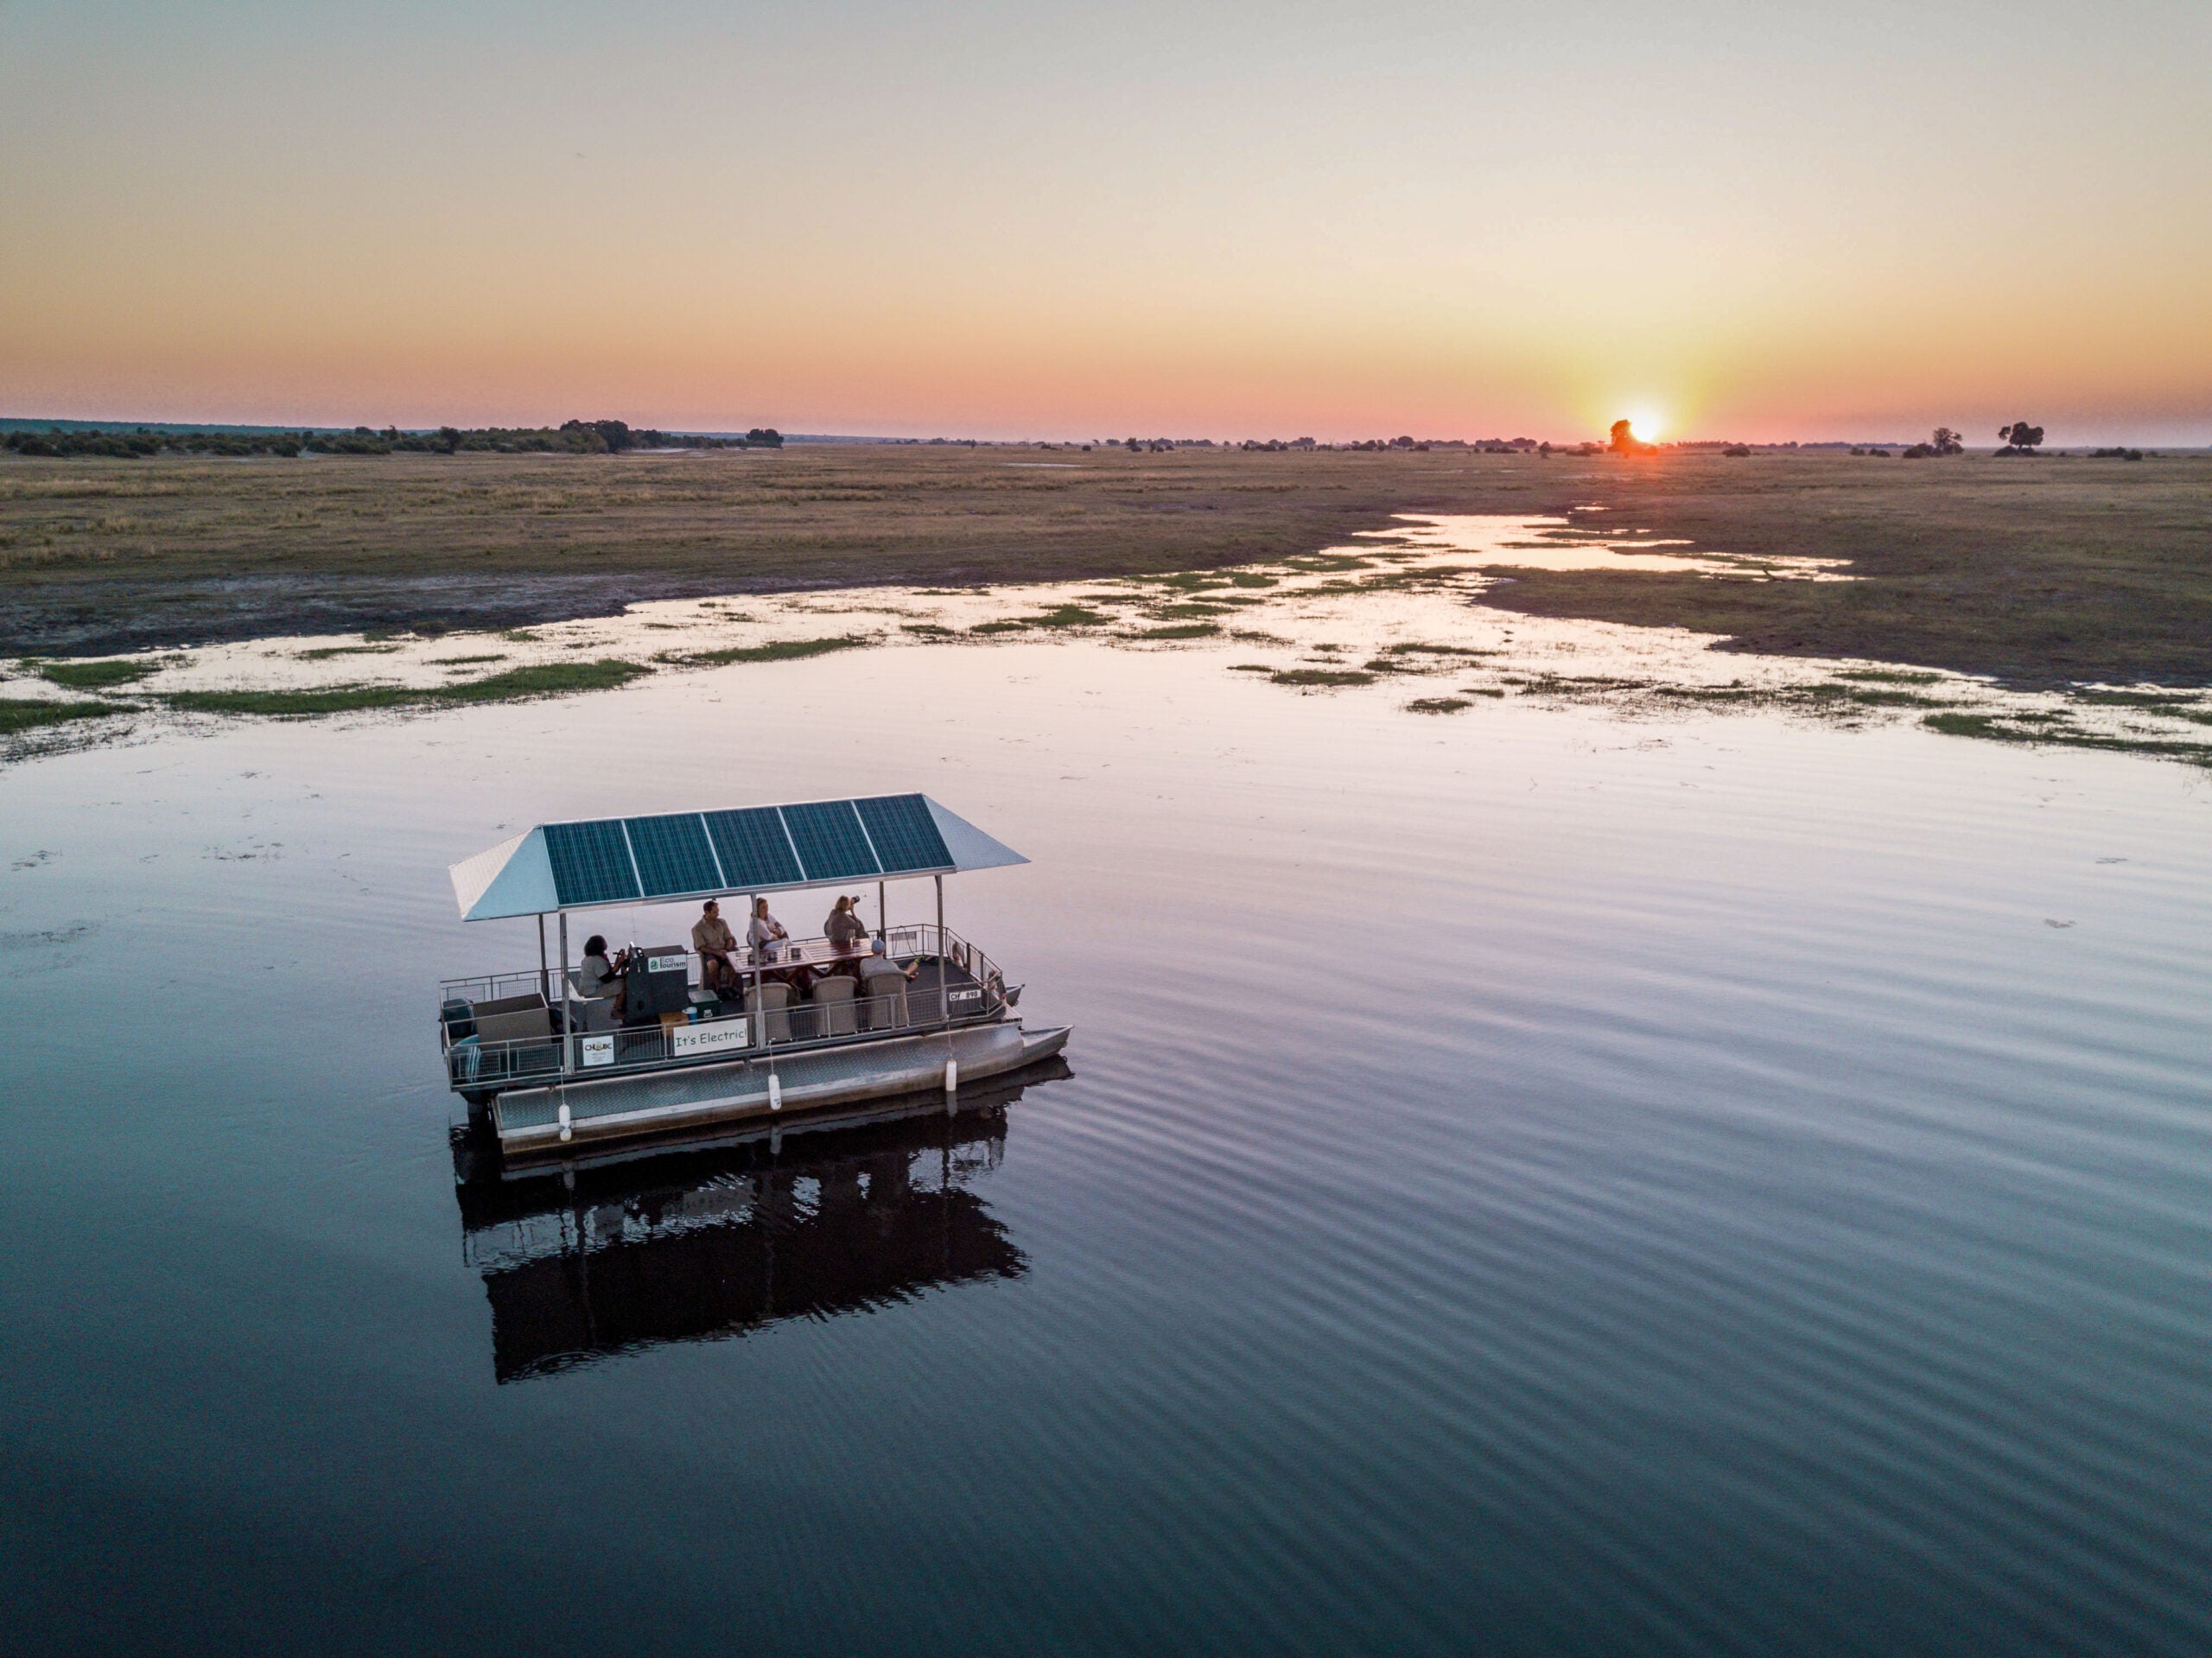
706 854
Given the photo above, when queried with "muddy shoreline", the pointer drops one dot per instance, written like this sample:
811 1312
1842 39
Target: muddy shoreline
2068 571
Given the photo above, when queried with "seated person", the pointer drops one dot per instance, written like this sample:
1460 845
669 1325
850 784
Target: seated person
767 936
765 933
713 940
598 979
879 965
844 929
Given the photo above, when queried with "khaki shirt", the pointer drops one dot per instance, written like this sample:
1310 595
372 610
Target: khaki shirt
712 933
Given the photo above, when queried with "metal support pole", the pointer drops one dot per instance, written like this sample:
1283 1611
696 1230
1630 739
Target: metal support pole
760 1031
568 1036
882 921
943 957
544 979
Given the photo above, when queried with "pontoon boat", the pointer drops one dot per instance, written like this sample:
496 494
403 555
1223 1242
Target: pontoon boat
547 1065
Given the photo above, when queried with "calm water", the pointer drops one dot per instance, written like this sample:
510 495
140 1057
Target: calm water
1528 1183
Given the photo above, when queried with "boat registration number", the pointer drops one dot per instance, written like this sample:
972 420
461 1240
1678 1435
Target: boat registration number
598 1050
711 1037
966 995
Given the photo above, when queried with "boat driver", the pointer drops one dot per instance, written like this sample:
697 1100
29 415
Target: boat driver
601 980
713 941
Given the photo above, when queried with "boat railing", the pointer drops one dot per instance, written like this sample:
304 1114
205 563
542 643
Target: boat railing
705 1035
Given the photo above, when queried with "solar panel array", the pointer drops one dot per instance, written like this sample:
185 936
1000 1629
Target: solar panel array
753 849
673 854
902 832
614 860
591 862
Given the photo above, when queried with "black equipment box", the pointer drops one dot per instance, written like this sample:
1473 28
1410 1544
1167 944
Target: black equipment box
657 980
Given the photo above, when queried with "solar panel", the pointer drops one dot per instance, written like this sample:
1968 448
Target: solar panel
753 849
830 841
673 855
904 833
591 863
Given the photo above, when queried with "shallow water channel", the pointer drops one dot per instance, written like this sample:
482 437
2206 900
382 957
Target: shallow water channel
1531 1181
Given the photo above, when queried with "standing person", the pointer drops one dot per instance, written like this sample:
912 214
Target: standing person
713 940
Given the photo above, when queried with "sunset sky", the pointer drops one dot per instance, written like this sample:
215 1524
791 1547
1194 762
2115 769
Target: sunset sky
1738 221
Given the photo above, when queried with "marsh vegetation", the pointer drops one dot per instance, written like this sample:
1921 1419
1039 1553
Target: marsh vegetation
2068 570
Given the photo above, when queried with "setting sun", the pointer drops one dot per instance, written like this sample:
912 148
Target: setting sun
1644 428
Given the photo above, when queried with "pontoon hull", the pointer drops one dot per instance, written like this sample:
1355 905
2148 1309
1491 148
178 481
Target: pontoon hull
530 1119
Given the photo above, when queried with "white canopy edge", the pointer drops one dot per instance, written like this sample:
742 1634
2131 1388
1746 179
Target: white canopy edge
515 877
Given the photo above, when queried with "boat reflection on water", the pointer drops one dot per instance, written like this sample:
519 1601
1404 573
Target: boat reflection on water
844 1213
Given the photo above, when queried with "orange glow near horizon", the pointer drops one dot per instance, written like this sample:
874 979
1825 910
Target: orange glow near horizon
1390 223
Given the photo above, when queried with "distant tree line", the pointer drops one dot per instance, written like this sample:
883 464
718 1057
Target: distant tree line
570 437
1943 441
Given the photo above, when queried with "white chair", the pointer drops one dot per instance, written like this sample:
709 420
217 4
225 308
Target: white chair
769 1005
884 997
594 1015
834 1013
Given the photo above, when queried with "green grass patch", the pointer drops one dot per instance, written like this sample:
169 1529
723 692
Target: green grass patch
324 652
1319 678
1438 705
544 679
1895 700
1185 630
1070 616
929 630
1989 728
1169 612
1249 668
298 704
517 684
1191 580
1414 648
1251 579
1888 676
775 651
457 662
97 676
24 714
519 636
1064 616
1480 690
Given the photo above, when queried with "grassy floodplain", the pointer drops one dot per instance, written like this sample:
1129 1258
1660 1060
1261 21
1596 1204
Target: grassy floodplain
2042 571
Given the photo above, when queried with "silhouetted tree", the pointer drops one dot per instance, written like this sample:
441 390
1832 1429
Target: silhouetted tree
2020 437
1625 442
1947 442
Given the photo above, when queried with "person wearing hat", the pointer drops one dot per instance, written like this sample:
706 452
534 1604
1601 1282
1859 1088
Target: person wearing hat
879 965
